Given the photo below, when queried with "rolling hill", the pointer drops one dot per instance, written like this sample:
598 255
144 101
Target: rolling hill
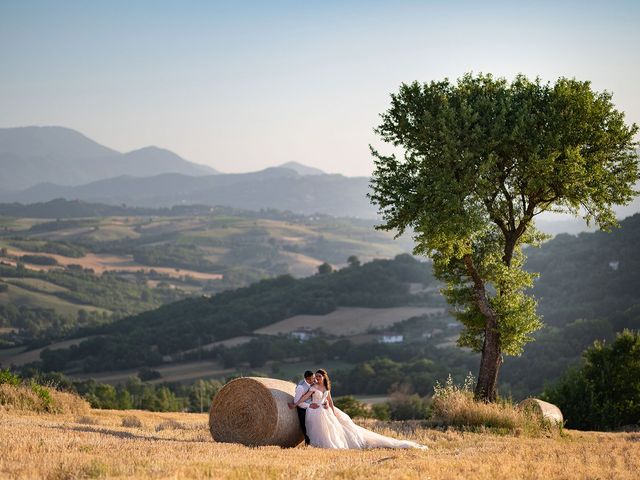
276 188
63 260
33 155
588 290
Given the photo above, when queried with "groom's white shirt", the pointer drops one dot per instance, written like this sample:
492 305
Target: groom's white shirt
302 388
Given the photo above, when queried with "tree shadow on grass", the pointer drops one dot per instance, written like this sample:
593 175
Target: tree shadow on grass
120 434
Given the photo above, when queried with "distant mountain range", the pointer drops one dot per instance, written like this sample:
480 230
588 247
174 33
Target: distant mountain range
33 155
276 188
39 164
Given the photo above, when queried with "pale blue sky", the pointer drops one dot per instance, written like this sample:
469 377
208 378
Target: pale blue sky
244 85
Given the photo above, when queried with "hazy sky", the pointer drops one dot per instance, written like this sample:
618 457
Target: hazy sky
243 85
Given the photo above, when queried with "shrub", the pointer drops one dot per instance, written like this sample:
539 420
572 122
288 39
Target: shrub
145 374
353 407
605 392
87 420
170 425
408 407
131 421
43 394
39 259
381 411
9 378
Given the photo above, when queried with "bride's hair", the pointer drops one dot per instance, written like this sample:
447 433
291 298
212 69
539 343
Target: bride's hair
325 376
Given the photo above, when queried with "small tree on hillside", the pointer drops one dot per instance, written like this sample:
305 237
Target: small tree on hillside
353 261
324 268
482 158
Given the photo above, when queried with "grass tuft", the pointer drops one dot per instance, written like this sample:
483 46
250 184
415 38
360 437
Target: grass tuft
455 406
170 425
87 420
131 421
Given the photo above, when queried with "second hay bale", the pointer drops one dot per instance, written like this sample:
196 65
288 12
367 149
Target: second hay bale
253 411
547 411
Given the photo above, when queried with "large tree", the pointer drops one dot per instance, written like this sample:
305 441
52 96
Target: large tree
475 162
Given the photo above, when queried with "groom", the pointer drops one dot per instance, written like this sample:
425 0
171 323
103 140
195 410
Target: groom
302 388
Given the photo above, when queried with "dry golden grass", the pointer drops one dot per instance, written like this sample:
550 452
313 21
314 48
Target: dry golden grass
34 399
454 406
460 410
58 447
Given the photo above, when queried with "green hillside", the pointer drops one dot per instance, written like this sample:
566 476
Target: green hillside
243 246
588 289
113 261
144 339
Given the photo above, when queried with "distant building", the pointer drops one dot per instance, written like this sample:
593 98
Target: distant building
302 334
391 338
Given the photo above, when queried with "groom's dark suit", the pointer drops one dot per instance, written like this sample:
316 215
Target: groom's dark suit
302 388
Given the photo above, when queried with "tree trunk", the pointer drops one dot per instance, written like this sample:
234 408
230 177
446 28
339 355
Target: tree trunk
486 388
491 355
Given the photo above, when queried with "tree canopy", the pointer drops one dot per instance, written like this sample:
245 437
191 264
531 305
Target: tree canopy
479 160
605 392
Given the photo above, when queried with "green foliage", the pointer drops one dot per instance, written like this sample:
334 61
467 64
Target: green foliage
66 249
118 295
353 261
176 256
598 270
145 374
481 158
324 268
41 323
143 339
43 394
582 297
381 411
408 407
605 392
353 407
9 378
39 260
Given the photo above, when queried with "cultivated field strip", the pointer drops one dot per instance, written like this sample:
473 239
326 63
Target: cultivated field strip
349 320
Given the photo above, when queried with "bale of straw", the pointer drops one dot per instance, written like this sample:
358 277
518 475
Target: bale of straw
253 411
545 410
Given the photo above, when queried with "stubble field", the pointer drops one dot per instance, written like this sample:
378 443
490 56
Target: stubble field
178 445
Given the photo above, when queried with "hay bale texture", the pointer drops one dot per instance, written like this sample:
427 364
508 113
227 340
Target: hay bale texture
253 411
545 410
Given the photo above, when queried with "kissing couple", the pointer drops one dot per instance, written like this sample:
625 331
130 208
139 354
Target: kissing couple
326 426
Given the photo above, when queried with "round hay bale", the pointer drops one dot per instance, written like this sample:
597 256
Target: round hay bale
545 410
253 411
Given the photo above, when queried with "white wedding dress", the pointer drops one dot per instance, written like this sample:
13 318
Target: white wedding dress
328 430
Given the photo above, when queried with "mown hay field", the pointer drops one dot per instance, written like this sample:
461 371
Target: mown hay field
349 320
170 372
178 445
101 263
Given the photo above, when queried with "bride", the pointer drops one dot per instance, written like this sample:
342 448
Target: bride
332 428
